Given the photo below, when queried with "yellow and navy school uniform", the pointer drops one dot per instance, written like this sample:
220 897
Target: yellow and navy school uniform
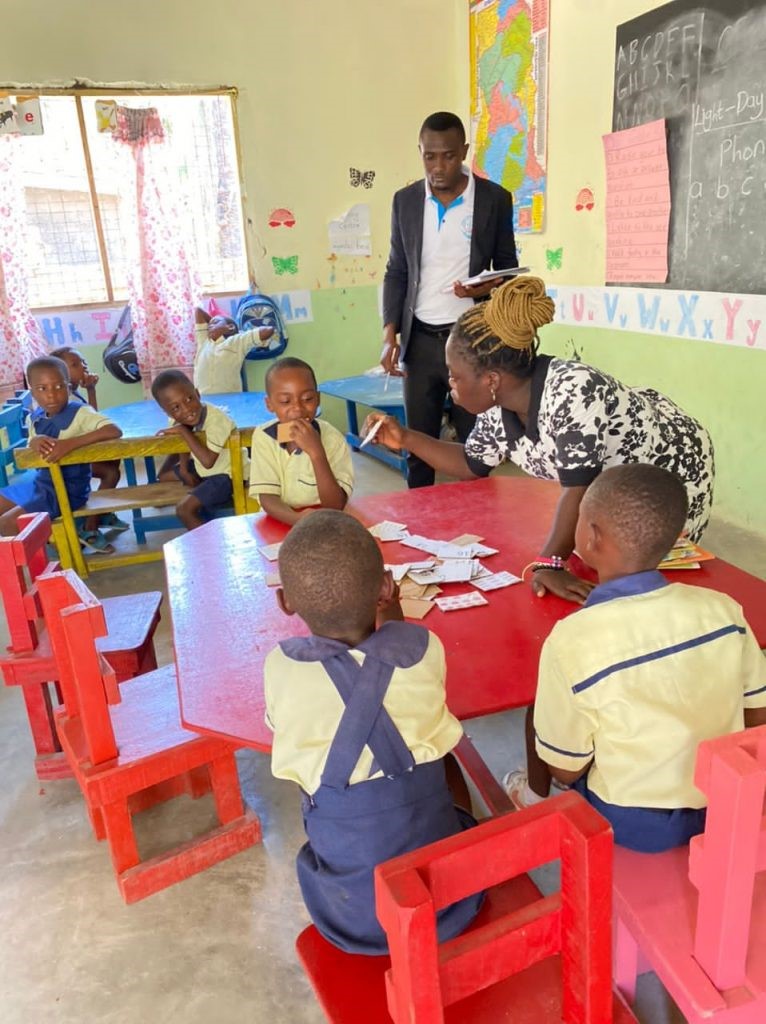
363 731
35 491
633 682
290 475
215 488
218 364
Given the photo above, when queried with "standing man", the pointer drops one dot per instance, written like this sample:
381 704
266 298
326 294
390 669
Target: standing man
444 229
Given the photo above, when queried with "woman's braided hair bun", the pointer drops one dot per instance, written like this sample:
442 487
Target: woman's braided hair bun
515 311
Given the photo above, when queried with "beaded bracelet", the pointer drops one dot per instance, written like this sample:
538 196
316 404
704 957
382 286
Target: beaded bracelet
555 562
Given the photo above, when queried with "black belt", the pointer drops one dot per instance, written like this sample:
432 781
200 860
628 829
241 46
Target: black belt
435 330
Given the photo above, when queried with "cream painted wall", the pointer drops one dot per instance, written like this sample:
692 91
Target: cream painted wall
347 82
323 86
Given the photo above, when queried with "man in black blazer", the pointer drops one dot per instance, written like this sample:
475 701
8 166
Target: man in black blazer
444 229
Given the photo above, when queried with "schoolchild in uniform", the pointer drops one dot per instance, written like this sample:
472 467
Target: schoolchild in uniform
633 682
298 462
361 725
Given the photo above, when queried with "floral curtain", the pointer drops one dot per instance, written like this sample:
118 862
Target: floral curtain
20 336
163 290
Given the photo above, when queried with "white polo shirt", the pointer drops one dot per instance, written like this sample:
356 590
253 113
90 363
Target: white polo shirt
445 256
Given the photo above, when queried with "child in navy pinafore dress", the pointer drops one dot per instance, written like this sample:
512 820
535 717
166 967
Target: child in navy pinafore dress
360 723
58 426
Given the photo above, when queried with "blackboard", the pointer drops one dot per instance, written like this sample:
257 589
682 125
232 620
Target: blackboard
702 67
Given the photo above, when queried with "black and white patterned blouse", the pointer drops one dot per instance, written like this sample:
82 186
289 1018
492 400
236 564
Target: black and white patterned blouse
581 420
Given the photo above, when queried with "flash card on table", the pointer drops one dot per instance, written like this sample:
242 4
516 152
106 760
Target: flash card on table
414 608
465 539
455 604
398 571
388 530
273 580
271 551
495 580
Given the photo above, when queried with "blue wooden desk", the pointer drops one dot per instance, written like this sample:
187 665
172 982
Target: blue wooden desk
144 419
377 391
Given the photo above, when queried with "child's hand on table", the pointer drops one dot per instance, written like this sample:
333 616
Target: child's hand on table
562 583
391 434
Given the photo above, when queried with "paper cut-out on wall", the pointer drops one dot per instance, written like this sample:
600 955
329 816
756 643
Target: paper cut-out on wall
553 258
584 199
8 122
29 115
281 217
106 115
349 234
286 265
357 178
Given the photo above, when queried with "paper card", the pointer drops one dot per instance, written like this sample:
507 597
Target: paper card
106 115
388 530
349 234
460 601
273 580
479 571
398 571
431 592
458 571
8 122
415 609
482 551
28 115
271 551
409 588
465 539
495 581
414 540
284 433
451 551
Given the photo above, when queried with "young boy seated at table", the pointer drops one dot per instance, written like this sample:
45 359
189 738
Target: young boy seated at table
60 425
629 685
206 468
361 724
221 350
298 462
107 473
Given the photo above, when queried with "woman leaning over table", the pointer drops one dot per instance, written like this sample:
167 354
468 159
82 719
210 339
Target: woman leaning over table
555 418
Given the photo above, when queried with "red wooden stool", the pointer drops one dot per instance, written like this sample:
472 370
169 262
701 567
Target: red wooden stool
128 749
526 958
29 662
697 915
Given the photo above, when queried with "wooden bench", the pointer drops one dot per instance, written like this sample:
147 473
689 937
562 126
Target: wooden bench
121 499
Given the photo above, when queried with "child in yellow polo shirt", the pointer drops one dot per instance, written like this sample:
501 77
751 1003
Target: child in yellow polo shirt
361 725
630 684
206 469
298 462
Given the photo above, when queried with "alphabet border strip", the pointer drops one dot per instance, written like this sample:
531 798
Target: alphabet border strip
719 317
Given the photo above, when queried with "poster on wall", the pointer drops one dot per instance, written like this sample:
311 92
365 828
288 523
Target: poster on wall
509 102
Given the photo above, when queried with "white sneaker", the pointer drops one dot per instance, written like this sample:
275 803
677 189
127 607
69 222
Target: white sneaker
515 785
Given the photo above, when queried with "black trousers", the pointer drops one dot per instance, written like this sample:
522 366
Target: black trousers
425 390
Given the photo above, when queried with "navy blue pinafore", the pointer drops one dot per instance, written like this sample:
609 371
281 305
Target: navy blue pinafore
35 491
351 828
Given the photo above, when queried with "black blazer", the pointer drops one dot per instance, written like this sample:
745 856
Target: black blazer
492 244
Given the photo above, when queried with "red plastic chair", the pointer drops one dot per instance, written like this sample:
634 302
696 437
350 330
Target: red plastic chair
128 749
526 958
697 915
29 662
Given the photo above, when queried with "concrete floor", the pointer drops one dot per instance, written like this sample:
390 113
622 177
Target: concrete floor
218 947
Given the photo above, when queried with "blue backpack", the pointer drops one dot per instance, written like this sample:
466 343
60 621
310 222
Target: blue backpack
255 310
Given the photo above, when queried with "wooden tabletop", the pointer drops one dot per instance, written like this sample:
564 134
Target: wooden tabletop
226 620
144 419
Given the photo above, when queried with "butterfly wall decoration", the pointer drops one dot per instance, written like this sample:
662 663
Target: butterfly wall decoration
553 258
357 178
286 265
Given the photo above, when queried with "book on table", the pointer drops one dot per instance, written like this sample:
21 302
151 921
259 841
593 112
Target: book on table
685 554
